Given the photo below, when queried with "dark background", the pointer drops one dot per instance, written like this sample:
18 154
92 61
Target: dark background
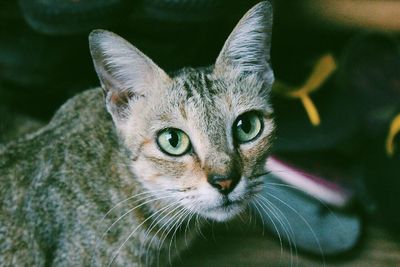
44 60
44 56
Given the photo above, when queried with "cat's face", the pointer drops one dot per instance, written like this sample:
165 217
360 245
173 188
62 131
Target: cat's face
205 138
201 136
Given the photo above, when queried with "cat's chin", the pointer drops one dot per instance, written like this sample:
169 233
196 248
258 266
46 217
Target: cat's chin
224 213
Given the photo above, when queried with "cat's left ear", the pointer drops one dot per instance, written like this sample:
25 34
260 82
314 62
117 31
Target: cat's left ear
125 73
247 49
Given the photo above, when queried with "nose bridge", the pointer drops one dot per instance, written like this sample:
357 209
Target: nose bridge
218 157
218 161
223 172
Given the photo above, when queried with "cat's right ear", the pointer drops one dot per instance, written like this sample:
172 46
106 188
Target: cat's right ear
125 73
247 49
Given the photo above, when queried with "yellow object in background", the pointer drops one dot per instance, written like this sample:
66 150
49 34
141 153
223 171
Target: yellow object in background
323 69
393 131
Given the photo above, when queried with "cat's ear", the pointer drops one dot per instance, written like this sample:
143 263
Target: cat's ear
247 49
125 73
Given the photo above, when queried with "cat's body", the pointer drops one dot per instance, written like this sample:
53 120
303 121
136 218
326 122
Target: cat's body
58 183
93 189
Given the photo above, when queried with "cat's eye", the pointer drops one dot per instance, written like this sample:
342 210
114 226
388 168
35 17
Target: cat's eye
247 127
173 141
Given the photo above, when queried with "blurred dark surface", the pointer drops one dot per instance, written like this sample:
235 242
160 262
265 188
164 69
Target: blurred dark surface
44 60
249 246
42 67
44 56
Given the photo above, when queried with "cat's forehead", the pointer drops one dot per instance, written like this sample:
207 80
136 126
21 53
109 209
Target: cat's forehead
206 91
197 84
200 100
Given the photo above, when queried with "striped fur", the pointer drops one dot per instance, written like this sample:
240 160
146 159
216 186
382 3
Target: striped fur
58 183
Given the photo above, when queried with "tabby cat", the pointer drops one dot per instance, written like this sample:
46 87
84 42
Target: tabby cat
131 189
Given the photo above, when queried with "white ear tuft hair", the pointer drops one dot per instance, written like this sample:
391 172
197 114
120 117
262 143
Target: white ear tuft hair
123 70
247 48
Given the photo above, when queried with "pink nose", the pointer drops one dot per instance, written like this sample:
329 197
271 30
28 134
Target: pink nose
224 183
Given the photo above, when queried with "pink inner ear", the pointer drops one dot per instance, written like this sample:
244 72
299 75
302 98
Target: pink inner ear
121 98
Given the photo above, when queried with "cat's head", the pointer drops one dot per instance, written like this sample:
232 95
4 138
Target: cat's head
201 136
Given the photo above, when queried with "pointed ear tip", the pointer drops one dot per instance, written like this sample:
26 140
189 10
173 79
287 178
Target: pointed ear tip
97 33
264 5
98 37
263 8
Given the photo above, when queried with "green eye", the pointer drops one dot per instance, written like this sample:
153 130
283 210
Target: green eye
247 127
173 141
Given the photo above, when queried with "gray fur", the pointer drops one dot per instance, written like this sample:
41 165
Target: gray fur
58 183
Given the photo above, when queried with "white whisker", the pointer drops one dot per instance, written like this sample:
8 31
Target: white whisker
153 224
267 212
129 211
132 233
170 224
162 226
177 226
123 201
99 238
320 201
261 217
274 210
187 226
288 227
305 221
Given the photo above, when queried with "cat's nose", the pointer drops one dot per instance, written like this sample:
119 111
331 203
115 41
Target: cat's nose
224 183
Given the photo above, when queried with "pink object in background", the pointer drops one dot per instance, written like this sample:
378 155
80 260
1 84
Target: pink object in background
317 187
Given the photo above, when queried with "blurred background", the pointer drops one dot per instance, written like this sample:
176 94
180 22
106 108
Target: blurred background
337 66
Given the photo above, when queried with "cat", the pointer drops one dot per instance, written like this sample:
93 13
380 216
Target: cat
128 184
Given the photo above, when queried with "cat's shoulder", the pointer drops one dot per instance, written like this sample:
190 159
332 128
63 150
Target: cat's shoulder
80 120
84 108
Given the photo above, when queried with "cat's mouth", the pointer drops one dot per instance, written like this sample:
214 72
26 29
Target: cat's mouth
223 207
228 202
225 210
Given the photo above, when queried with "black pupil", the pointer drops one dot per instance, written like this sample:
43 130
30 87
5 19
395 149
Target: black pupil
245 125
173 138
